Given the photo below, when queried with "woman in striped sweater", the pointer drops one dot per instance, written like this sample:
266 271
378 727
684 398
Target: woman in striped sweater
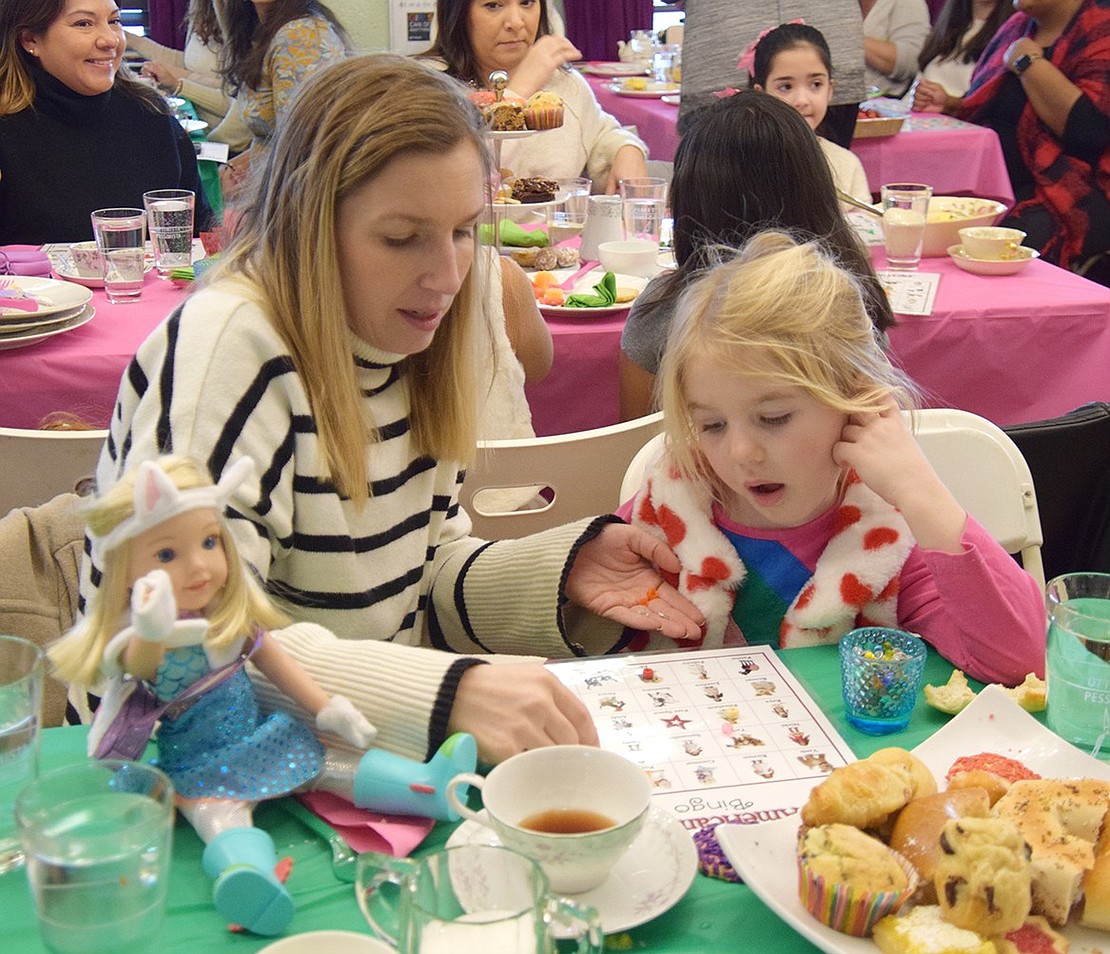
336 345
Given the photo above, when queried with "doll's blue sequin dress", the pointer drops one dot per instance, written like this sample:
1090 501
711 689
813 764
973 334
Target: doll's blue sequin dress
222 746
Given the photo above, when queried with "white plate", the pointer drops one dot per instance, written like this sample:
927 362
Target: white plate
764 854
982 266
193 125
63 269
28 321
21 340
586 284
503 134
328 942
671 99
654 90
651 878
613 69
175 102
53 295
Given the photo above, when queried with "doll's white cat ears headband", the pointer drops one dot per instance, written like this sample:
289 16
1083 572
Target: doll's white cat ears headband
158 500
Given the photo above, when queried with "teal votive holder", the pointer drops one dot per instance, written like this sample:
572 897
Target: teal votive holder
881 673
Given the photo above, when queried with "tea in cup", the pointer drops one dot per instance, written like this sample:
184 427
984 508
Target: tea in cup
991 243
573 808
87 262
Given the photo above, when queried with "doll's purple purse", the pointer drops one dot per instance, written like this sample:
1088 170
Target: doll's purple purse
130 729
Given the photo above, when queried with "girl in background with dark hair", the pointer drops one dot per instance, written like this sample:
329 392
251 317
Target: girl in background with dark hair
744 164
792 62
476 37
77 133
961 33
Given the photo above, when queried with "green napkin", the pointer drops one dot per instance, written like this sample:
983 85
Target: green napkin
512 234
606 294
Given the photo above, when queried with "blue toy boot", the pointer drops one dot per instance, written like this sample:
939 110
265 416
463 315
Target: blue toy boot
390 783
246 890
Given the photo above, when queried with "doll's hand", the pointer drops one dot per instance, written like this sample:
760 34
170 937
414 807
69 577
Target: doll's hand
153 608
344 720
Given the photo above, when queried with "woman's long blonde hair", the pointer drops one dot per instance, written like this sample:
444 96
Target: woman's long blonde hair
239 606
347 123
787 306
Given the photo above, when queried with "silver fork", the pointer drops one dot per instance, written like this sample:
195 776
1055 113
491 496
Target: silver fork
344 859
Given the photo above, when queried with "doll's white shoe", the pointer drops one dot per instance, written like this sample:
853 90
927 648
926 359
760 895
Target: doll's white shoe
246 890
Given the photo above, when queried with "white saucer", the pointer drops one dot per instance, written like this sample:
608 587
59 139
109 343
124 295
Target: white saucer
193 125
982 266
333 942
651 878
63 269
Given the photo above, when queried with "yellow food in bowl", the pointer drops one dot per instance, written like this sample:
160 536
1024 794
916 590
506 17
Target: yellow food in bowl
635 83
948 214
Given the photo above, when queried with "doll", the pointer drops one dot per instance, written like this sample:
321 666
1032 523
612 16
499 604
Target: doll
160 536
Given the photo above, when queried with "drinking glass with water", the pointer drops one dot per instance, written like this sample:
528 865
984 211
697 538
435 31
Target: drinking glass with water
170 216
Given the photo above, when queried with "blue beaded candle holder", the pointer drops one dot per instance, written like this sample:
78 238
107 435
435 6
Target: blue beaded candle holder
881 673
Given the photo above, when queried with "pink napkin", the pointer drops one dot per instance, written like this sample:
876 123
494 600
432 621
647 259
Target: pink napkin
23 260
364 830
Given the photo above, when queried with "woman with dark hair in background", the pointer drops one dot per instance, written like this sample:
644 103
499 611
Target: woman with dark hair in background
77 133
962 31
744 164
476 37
270 46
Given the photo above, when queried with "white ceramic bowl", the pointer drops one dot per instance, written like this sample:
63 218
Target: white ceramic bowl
631 257
948 214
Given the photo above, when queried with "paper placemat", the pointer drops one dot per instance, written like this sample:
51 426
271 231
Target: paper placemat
910 293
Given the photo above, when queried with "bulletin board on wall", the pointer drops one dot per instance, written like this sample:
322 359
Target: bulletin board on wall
411 25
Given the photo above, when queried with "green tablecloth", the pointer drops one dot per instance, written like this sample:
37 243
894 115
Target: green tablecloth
715 916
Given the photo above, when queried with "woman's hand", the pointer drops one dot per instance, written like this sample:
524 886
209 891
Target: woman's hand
543 58
165 76
616 575
512 707
628 163
930 97
233 175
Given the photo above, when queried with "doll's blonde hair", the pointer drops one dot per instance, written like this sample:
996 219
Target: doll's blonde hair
237 608
789 309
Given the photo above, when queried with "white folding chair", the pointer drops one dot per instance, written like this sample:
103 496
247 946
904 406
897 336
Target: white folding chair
977 461
38 465
575 475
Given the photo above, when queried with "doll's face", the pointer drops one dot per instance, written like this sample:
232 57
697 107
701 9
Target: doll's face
190 548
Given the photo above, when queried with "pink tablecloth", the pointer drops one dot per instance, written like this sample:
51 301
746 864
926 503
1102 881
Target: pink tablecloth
951 156
1012 349
79 371
654 120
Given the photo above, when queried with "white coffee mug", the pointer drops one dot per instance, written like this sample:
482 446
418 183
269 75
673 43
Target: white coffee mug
573 808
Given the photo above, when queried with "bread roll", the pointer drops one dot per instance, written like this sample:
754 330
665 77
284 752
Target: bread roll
916 832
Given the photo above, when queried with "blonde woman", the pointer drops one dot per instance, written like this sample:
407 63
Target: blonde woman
338 345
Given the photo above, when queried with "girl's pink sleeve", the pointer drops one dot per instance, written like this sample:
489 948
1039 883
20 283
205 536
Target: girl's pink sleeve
979 609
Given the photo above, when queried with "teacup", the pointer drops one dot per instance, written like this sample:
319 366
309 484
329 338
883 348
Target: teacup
86 259
991 243
573 808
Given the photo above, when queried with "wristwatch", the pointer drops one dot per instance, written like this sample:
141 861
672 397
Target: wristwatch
1023 62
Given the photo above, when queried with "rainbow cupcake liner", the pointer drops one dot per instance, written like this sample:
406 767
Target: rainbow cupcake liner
547 117
847 909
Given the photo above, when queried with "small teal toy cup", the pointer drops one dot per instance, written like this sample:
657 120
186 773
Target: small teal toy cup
881 674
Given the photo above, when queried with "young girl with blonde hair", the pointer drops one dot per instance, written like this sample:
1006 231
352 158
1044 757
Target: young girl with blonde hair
794 494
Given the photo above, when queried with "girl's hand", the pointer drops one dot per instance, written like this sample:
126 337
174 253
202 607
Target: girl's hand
153 608
543 58
883 452
616 575
929 97
344 720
